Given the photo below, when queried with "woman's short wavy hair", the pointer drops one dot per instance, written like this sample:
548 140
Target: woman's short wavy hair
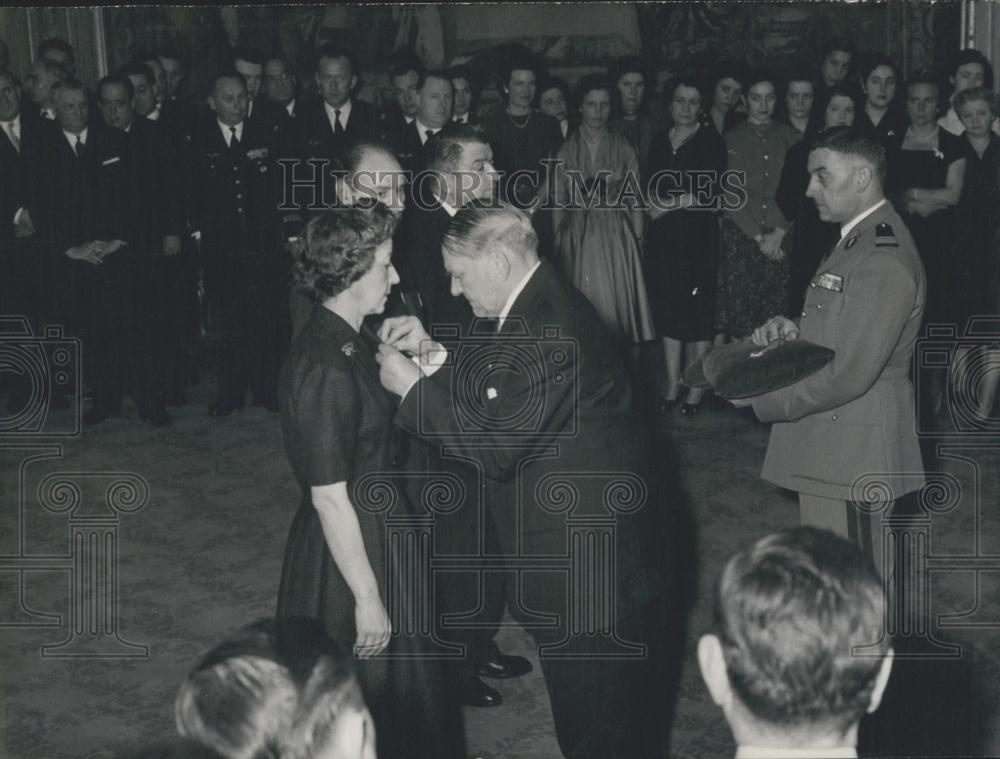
338 248
975 95
587 84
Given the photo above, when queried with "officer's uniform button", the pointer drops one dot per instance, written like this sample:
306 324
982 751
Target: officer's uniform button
819 305
803 313
834 417
812 284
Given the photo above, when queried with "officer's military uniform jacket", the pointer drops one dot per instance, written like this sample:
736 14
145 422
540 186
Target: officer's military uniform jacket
855 417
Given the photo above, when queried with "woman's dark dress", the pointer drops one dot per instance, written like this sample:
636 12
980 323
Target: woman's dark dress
337 426
810 238
893 123
975 269
683 246
933 234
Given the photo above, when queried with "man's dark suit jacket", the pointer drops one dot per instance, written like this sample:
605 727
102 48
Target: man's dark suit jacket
316 137
417 256
232 197
546 409
409 148
13 186
155 207
82 199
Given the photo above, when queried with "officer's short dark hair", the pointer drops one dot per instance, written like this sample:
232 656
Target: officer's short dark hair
789 611
138 68
69 84
433 74
112 79
339 248
403 64
248 54
224 73
332 51
57 45
851 142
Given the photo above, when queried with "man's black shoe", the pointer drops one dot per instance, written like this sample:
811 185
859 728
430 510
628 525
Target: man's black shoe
477 693
501 666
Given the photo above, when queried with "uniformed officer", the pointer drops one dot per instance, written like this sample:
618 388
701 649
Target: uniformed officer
233 213
855 417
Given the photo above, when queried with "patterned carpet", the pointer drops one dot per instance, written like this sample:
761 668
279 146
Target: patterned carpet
203 556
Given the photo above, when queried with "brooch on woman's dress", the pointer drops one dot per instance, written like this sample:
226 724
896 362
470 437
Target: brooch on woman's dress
348 349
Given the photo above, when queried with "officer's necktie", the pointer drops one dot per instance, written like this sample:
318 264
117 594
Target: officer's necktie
429 133
234 141
338 128
78 147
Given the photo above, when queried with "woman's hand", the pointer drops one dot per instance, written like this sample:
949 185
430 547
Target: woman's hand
770 244
374 627
90 252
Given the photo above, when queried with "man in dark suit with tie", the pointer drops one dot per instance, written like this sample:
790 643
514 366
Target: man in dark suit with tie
458 169
339 120
13 196
404 75
280 86
82 185
156 226
434 109
466 95
233 212
558 445
42 77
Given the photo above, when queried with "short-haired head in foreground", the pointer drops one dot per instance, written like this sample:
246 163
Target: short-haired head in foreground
488 250
339 248
275 689
785 659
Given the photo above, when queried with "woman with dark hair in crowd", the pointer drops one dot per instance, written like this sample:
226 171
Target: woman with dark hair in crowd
630 114
810 238
683 239
926 172
753 270
726 86
337 426
520 136
553 100
880 118
598 236
977 222
798 108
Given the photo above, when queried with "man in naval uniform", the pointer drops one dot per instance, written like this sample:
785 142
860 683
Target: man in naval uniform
854 417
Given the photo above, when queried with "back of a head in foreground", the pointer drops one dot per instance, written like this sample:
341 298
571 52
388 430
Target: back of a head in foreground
276 689
792 612
482 225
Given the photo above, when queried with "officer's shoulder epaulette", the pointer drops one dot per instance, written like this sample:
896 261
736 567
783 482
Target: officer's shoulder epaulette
885 237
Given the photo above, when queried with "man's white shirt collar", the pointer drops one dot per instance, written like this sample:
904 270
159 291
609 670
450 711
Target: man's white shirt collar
447 207
761 752
71 138
409 119
461 119
513 296
154 115
13 125
227 135
331 114
291 107
422 130
845 230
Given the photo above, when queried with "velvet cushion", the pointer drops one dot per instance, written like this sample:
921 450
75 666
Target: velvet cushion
745 370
